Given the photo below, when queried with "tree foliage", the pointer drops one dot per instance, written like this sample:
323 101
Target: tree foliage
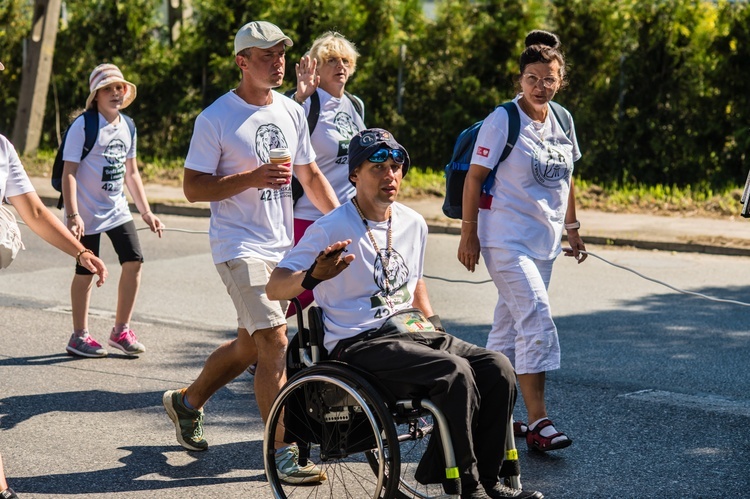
656 88
15 21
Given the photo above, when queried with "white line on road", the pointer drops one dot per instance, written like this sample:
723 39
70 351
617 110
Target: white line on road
701 402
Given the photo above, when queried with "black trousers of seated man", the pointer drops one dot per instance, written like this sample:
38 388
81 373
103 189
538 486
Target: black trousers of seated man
475 388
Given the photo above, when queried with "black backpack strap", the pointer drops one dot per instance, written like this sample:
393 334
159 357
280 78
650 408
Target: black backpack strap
359 106
314 114
561 114
312 121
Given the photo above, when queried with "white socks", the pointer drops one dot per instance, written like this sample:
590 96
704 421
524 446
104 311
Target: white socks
548 431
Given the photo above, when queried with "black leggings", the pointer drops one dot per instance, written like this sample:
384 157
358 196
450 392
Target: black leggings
124 240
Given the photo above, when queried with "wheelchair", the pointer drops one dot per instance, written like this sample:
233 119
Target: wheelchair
368 443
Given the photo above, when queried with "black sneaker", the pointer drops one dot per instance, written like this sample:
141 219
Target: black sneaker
476 492
8 494
500 491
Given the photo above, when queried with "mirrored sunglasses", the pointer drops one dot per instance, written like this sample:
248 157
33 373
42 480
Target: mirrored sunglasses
381 155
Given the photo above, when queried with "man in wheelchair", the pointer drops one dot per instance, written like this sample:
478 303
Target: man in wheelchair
364 263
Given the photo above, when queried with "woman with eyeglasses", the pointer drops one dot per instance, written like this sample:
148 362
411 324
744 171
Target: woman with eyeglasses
518 225
334 116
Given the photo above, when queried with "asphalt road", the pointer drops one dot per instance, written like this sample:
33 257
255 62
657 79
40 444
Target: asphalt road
654 388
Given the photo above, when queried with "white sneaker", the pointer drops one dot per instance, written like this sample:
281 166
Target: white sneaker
287 464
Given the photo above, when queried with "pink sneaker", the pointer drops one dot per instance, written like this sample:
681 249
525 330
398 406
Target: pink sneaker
85 346
127 342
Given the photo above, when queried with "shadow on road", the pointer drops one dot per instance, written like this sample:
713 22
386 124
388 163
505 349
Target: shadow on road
16 410
688 348
148 468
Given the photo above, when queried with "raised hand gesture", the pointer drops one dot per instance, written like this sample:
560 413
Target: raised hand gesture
307 78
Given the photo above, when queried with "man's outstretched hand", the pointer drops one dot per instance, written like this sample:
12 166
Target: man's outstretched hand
329 263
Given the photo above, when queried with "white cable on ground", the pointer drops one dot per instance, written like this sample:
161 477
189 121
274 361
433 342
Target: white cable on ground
187 231
462 281
693 293
700 295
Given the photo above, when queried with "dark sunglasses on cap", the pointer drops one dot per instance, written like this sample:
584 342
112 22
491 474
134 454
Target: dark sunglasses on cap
381 155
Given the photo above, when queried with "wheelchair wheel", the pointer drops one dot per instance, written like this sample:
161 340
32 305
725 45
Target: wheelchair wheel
413 436
339 423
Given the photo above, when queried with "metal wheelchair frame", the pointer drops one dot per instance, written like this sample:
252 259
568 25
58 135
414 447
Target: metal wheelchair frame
345 423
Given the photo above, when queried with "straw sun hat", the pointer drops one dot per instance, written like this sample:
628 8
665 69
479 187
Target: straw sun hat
106 74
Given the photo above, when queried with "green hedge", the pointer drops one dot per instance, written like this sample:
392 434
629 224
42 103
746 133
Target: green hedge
657 89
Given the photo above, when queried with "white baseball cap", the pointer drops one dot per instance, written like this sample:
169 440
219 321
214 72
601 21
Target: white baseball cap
259 34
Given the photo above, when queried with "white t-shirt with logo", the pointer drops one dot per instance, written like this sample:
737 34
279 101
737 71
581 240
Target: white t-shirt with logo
530 193
337 124
356 300
100 178
13 178
232 136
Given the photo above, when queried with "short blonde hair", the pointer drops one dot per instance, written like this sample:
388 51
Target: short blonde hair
334 44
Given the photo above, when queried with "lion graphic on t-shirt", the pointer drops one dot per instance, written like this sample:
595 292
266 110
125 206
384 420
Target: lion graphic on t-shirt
268 137
345 125
396 272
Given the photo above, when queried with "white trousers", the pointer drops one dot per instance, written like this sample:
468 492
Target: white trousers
523 328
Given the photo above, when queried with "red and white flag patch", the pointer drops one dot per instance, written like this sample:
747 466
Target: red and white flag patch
483 151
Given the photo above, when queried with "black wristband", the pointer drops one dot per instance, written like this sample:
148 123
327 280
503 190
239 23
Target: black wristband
435 319
309 282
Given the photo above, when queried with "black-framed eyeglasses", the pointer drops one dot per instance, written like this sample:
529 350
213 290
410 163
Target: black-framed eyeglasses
381 156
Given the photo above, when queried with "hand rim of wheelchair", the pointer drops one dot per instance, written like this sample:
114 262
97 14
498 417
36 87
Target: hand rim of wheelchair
309 355
376 414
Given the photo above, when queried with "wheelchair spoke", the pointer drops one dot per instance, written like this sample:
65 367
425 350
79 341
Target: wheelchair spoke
336 419
413 436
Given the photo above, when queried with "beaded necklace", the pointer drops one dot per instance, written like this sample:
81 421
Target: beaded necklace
385 260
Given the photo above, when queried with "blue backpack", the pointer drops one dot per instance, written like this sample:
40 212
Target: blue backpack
458 166
91 129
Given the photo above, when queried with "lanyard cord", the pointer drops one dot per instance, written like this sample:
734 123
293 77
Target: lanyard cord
387 259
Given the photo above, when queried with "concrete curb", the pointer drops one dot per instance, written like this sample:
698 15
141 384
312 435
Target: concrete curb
158 207
437 227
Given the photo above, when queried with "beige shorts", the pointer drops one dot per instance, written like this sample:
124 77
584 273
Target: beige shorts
246 279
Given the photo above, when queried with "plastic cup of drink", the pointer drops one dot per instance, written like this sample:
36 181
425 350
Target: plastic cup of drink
281 156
